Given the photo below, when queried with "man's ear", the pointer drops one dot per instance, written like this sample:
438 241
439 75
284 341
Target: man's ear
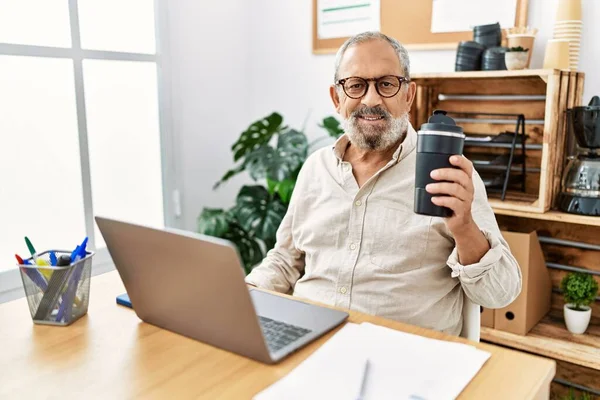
411 93
335 97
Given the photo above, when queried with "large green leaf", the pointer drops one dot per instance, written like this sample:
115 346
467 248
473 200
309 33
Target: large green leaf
264 162
259 212
281 163
257 134
284 189
293 146
247 244
332 125
213 222
220 223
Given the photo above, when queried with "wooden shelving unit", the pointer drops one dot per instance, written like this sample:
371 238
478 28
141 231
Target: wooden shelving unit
542 96
550 338
484 74
577 356
556 216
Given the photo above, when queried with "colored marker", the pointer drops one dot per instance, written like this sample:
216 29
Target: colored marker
47 272
30 246
32 273
74 253
53 259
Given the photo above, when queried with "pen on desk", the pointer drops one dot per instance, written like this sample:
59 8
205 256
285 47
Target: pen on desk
363 383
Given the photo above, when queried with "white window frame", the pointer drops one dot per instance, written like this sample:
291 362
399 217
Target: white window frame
11 286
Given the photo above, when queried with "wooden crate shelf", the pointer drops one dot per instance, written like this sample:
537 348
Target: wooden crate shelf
484 74
556 216
550 338
543 96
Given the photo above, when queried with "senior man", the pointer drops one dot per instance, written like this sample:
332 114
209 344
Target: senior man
350 237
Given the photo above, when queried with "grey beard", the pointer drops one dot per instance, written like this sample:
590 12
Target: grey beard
371 138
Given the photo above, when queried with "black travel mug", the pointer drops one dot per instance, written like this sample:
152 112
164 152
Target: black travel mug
437 140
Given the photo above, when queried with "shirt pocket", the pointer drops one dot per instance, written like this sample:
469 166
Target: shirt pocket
398 241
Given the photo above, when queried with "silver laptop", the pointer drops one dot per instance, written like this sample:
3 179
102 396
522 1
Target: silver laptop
194 285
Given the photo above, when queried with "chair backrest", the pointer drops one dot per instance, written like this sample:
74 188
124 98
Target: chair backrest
471 319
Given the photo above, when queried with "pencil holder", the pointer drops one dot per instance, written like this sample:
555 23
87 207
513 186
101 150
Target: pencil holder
57 295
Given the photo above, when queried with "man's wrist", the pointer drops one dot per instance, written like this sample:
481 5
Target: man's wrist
471 244
467 231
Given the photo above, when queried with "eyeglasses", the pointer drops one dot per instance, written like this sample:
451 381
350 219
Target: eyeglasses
386 86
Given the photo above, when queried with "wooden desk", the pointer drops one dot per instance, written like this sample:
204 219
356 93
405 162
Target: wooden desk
111 354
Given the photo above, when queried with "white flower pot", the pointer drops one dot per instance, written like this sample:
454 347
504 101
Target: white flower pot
516 59
577 321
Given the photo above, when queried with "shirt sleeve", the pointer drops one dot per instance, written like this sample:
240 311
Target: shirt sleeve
283 264
495 281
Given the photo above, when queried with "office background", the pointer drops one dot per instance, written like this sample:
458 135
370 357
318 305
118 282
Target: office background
263 50
156 143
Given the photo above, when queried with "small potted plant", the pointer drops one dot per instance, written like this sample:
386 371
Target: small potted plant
516 58
580 290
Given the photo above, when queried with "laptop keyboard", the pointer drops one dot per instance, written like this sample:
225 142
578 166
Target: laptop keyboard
279 334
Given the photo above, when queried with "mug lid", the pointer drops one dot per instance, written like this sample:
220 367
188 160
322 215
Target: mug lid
439 121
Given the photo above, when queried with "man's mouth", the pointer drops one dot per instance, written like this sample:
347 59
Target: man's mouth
371 117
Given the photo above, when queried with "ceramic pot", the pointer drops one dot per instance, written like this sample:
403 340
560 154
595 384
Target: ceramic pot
516 59
577 321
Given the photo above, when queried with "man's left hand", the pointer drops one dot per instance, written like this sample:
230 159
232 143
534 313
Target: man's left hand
456 193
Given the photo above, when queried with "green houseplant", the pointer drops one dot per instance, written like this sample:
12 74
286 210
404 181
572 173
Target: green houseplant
580 290
272 154
573 396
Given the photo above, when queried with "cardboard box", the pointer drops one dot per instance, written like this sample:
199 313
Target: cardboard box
487 317
535 299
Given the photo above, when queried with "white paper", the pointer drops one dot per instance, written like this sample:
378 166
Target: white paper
401 366
334 371
463 15
342 18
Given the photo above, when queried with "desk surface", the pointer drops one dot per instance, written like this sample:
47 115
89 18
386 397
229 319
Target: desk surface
111 354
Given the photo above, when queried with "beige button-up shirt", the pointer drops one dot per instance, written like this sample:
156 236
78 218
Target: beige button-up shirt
365 249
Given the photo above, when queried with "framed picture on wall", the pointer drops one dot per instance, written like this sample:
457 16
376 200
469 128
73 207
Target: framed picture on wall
419 25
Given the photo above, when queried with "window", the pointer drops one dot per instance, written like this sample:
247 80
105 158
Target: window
82 126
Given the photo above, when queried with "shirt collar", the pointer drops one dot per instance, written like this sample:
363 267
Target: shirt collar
404 148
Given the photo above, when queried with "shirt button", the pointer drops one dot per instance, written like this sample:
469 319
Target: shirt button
352 246
358 203
343 290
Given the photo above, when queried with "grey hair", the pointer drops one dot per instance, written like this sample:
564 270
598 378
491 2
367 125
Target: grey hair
373 35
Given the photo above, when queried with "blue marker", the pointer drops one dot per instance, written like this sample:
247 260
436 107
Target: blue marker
64 311
53 259
74 253
80 251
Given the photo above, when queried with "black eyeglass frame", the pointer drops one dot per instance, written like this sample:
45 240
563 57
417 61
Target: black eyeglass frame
401 79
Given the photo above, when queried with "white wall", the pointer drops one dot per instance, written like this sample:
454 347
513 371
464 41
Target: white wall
209 47
285 76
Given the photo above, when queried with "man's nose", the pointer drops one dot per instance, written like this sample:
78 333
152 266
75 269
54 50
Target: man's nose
371 98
